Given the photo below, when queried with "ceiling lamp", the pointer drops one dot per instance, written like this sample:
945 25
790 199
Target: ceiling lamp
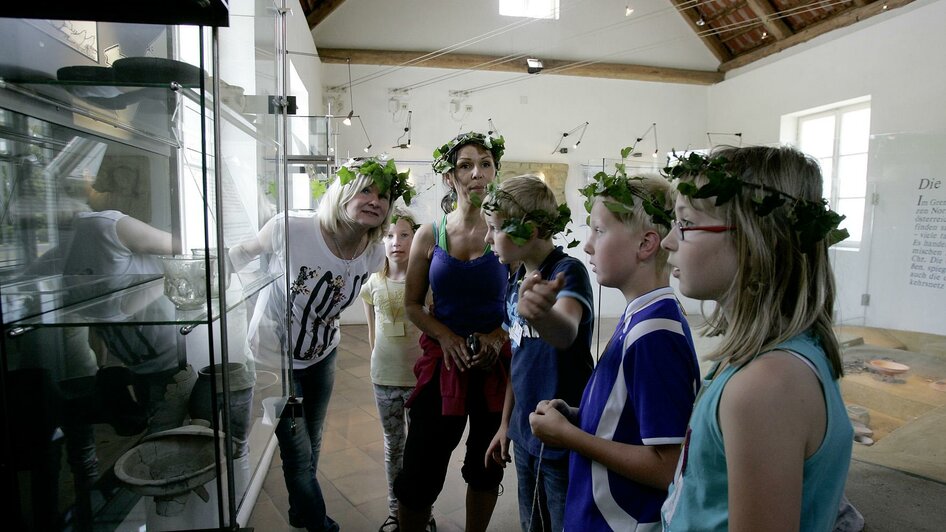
533 65
351 97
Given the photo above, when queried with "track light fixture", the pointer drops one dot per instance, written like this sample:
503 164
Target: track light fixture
368 147
700 21
558 147
628 10
351 97
407 133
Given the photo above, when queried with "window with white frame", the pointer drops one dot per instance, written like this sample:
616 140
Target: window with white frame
529 8
839 138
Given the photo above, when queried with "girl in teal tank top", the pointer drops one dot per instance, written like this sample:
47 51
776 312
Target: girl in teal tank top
769 441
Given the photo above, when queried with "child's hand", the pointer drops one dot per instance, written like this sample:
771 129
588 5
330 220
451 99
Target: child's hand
498 450
536 297
549 423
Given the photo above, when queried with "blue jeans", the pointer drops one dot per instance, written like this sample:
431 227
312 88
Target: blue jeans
300 441
549 511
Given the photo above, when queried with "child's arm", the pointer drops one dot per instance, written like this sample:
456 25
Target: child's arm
652 465
498 449
772 416
555 319
369 312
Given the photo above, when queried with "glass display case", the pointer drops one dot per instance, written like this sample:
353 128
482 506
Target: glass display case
132 158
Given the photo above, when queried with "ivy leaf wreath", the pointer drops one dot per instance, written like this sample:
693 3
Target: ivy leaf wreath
621 196
520 229
495 145
812 220
384 175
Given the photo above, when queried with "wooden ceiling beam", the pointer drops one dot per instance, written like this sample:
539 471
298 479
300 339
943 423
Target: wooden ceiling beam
518 65
710 40
770 18
841 20
320 10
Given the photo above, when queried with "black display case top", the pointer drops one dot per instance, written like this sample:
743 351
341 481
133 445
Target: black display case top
192 12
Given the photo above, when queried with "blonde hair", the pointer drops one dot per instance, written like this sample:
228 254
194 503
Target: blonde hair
783 286
332 213
523 195
398 213
636 219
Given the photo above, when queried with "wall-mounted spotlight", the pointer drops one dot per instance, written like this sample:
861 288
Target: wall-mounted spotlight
628 10
492 128
558 147
367 138
634 152
533 65
407 133
656 149
709 137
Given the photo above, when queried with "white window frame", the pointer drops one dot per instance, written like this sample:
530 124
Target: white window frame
833 195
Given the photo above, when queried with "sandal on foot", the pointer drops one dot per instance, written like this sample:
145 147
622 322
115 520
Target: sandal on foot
390 525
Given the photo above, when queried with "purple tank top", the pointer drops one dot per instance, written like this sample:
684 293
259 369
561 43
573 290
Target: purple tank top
469 296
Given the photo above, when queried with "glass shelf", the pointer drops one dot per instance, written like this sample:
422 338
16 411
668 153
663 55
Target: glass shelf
66 301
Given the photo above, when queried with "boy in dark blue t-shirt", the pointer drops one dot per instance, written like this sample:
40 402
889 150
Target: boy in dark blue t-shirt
549 316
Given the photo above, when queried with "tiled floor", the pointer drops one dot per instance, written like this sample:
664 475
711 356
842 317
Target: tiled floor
351 468
352 472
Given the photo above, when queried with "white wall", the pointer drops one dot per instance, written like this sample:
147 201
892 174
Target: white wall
531 114
898 60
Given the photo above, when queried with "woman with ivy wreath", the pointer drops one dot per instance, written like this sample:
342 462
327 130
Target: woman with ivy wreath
331 255
463 370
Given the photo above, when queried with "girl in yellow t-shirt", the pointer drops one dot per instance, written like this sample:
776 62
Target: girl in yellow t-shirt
394 347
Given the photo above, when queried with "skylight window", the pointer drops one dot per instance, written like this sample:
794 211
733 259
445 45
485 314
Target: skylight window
529 8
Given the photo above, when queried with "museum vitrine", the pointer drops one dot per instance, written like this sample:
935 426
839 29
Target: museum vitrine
132 157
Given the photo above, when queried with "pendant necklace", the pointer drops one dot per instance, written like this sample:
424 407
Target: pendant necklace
347 262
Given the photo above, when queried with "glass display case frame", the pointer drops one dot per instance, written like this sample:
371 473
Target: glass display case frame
167 148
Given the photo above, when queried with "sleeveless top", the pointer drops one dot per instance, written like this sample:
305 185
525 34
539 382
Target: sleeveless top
469 295
699 496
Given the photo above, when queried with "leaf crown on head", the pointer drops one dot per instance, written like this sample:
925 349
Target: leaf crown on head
622 196
383 174
495 145
814 221
410 221
520 229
